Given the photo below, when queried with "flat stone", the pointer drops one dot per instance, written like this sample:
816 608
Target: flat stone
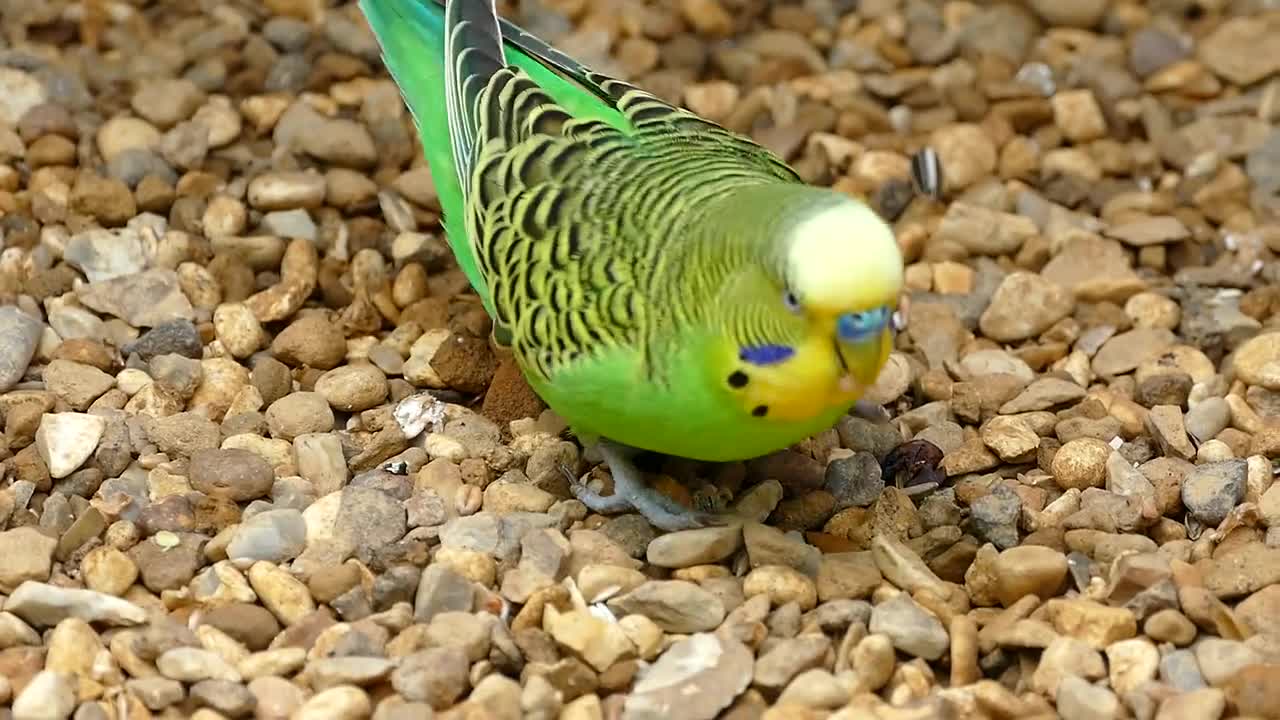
46 605
19 336
65 440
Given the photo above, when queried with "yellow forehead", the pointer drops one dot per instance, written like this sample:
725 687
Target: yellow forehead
844 258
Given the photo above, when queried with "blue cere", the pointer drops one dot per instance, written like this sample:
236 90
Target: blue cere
766 354
855 326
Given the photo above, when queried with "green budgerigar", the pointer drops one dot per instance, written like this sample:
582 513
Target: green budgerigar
663 283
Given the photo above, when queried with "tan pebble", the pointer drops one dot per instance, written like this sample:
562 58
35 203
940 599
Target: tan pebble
48 695
312 340
1257 361
1255 690
123 133
286 190
468 500
238 329
1165 423
353 388
1029 570
644 634
1081 464
600 643
410 285
1011 438
1066 656
1024 306
964 651
694 547
299 413
598 581
967 153
284 595
586 707
342 702
1078 699
1132 663
224 215
712 100
189 664
1153 310
280 663
708 17
1078 115
1097 624
983 231
108 570
952 278
470 564
783 585
1193 705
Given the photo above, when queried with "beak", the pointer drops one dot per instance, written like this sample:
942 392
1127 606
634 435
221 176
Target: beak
862 361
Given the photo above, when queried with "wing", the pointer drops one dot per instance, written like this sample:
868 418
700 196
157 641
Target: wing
574 185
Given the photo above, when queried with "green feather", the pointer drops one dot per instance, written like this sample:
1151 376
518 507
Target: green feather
411 34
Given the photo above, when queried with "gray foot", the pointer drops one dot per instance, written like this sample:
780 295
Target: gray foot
631 493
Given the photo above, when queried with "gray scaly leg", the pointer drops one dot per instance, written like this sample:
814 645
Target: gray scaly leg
631 492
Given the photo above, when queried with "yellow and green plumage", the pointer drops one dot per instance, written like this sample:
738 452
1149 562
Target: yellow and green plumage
664 284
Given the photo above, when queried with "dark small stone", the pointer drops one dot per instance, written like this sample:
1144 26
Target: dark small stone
81 483
253 423
857 433
168 568
1211 490
893 197
131 166
47 119
231 699
175 336
399 583
807 512
286 33
233 473
1152 49
854 481
796 471
389 483
353 605
995 517
252 625
289 74
293 492
172 514
271 378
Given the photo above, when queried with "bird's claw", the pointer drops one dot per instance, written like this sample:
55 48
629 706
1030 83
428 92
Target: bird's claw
602 504
631 495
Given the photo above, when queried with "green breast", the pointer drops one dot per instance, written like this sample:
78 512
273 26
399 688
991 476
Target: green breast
687 415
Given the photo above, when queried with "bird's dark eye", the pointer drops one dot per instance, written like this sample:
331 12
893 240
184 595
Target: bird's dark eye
791 301
855 326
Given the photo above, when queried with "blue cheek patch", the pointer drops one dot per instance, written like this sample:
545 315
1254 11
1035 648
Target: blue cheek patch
855 326
766 354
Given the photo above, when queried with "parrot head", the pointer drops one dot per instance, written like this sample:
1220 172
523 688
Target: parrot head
843 274
817 313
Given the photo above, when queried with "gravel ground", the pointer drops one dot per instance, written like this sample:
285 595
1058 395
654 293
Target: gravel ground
261 461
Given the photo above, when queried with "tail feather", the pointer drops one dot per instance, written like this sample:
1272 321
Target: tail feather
473 53
411 34
442 55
